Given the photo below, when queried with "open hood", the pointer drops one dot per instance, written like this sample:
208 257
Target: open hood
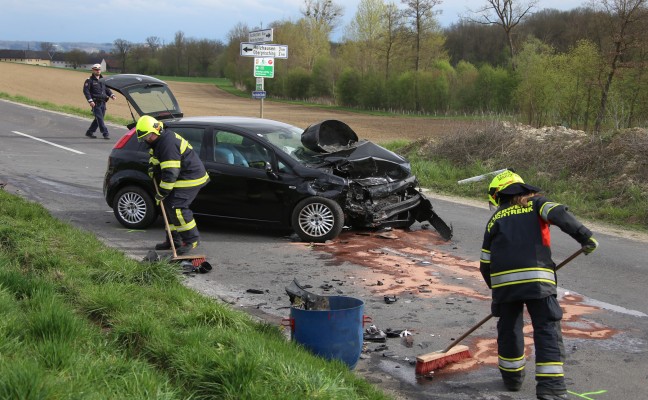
148 95
338 145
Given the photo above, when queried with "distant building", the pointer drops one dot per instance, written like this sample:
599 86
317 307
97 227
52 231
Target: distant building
26 57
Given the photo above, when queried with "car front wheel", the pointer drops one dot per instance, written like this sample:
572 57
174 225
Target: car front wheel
317 219
134 208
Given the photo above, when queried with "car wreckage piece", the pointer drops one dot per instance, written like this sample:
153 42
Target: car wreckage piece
382 190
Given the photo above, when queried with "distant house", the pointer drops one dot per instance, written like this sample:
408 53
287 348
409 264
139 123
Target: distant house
61 60
26 57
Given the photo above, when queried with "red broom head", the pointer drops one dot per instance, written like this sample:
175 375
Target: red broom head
437 360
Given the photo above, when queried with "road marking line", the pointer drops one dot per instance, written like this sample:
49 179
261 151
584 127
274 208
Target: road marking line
45 141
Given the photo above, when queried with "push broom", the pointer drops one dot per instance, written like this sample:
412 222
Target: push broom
199 262
429 362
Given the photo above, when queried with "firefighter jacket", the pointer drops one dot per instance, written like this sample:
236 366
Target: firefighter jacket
95 89
516 253
179 166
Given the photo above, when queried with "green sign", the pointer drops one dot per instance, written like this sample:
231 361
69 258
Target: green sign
264 67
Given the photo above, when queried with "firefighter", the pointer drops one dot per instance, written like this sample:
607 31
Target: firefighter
516 264
181 175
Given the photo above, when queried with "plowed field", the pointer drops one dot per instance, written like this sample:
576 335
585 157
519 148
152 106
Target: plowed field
64 87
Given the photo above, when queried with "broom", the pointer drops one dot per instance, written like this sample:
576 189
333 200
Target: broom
429 362
198 262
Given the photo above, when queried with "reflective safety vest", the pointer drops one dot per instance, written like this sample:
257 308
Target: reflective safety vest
180 167
516 252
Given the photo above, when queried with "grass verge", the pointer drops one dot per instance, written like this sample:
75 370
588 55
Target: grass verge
81 320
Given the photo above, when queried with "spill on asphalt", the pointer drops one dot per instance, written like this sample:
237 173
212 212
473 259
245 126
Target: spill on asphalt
417 262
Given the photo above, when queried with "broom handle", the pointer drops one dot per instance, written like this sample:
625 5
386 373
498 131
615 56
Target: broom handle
166 222
489 316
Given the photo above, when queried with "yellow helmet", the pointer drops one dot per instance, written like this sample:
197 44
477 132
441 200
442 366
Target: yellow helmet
147 125
504 180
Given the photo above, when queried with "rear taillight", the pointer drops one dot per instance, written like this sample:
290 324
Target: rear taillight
122 142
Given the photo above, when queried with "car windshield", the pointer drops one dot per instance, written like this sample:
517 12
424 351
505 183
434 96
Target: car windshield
153 99
288 138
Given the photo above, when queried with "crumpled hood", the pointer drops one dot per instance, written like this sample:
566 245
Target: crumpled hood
339 147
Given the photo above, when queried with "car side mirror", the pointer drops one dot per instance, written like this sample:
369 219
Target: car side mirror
270 171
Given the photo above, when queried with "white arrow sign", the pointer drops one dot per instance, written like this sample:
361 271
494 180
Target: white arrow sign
261 36
264 50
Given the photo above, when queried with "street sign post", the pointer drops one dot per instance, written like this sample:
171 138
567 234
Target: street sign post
264 67
264 50
259 83
261 36
259 94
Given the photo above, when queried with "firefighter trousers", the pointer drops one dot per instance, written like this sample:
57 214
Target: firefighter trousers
547 338
180 216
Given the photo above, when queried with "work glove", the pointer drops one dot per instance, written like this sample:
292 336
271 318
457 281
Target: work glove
159 197
590 246
154 170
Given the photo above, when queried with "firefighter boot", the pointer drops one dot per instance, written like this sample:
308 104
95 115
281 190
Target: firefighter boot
186 248
552 396
166 245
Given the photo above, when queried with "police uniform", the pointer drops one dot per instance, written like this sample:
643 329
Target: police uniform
95 90
516 264
182 174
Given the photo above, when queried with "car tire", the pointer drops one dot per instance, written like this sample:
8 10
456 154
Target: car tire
134 208
317 219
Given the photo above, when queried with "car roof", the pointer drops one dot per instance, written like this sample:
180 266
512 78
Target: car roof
244 122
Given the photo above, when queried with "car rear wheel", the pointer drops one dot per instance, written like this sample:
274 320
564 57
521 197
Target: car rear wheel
134 208
317 219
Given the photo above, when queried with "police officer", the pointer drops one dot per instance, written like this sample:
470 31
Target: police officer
181 175
516 264
97 94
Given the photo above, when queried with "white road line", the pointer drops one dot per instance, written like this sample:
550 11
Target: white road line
45 141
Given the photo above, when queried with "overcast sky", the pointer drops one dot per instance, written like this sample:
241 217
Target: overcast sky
103 21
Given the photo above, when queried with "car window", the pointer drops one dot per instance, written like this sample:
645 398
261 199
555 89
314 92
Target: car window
290 143
193 135
153 98
232 148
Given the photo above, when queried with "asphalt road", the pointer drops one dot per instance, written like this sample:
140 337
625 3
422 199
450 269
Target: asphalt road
45 157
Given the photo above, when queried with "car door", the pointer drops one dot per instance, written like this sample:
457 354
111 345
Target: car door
240 187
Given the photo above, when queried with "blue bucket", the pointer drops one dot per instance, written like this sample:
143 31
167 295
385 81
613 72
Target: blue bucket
333 334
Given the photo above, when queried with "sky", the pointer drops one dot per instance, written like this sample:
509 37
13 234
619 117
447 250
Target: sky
104 21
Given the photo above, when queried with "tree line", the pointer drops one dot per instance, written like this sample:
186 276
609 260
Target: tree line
585 68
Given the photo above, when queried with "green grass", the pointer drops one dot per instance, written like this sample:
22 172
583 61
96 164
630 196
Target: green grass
80 320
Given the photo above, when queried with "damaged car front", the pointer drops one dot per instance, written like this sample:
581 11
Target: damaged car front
381 188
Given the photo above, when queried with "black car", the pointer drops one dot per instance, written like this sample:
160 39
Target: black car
314 181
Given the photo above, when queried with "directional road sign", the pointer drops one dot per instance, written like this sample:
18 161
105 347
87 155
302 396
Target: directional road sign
259 94
264 50
264 67
261 36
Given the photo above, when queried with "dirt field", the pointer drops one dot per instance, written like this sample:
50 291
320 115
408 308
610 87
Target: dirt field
64 87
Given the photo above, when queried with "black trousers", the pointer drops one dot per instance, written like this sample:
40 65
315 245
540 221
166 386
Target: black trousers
99 111
547 338
180 215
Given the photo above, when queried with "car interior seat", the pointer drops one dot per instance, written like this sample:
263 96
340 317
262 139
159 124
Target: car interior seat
223 155
230 154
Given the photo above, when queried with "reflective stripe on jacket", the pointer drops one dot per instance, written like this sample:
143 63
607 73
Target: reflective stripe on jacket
180 166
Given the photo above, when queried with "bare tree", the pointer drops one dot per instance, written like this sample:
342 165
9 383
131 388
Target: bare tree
505 13
627 20
393 20
323 11
420 14
153 43
123 47
49 48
